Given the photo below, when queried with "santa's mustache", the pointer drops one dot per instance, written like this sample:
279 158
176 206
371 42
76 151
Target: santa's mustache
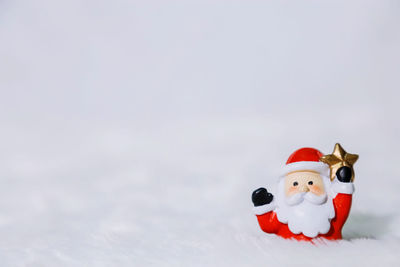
310 197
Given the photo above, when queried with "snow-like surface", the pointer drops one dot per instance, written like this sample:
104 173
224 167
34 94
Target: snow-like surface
133 132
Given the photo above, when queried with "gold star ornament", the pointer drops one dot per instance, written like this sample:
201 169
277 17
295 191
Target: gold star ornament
339 158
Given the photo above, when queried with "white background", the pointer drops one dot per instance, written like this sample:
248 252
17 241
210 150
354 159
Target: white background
134 132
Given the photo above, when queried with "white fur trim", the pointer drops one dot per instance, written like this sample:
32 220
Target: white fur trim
306 165
260 210
343 188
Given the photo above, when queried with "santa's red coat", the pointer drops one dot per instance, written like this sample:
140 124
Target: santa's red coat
269 222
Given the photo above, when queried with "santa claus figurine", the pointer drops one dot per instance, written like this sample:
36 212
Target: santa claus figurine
308 204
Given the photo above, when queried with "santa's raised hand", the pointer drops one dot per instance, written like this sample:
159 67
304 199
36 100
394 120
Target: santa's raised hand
344 174
261 197
307 204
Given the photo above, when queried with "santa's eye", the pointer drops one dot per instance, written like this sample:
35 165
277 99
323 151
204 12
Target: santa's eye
310 182
295 184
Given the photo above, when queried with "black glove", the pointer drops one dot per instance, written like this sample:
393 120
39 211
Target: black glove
344 174
261 197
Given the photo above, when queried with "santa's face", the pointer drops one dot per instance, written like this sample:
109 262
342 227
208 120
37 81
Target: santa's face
304 204
303 182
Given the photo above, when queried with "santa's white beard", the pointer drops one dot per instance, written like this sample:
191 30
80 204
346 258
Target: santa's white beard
305 212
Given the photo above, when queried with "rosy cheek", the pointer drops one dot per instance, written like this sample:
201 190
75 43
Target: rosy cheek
292 190
316 190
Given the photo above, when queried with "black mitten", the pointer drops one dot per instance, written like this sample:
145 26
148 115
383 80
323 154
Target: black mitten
344 174
261 197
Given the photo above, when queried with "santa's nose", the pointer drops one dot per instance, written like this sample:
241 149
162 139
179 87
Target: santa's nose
304 188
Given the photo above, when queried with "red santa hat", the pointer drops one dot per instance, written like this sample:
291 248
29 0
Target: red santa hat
305 159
